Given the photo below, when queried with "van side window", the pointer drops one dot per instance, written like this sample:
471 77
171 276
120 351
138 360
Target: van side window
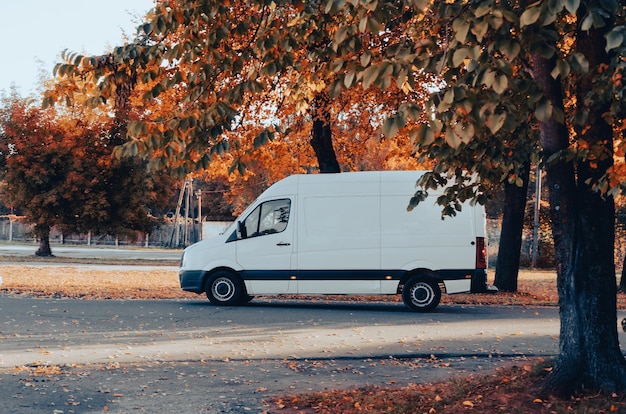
268 218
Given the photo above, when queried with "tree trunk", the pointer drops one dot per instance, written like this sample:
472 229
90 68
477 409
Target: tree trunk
321 139
125 81
583 230
509 249
43 234
622 281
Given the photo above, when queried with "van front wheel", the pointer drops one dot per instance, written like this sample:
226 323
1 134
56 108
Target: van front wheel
421 295
225 288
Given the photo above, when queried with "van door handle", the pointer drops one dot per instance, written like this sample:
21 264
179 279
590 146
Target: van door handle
283 244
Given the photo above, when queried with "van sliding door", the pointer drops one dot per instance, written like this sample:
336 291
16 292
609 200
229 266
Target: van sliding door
339 244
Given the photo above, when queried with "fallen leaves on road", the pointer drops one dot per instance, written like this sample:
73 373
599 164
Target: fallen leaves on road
37 370
505 390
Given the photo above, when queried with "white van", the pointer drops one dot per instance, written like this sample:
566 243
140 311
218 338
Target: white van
346 233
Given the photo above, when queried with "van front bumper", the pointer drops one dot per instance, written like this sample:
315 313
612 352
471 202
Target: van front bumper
191 280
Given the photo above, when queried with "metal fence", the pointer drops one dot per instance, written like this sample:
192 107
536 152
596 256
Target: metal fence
166 235
173 235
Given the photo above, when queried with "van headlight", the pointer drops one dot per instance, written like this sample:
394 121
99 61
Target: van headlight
183 261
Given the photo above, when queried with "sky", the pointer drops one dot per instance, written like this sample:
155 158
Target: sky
35 32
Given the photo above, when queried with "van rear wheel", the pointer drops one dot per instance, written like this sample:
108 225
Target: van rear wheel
421 295
225 288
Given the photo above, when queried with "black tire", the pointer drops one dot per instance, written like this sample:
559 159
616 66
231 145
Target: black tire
225 288
420 294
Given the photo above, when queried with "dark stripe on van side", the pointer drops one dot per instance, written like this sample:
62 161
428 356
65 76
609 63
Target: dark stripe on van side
455 274
354 274
267 274
443 274
311 274
339 274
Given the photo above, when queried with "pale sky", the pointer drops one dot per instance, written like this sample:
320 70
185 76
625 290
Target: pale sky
35 32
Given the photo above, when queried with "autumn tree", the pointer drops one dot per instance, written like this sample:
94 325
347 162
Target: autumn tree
59 171
478 60
358 143
505 74
224 55
285 107
39 168
277 65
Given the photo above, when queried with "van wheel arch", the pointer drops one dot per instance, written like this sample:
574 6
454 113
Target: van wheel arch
425 274
225 287
421 291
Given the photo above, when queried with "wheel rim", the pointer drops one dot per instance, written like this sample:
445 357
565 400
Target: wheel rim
223 289
422 294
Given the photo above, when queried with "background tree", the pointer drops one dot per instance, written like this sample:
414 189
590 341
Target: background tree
274 116
280 84
59 171
37 159
510 245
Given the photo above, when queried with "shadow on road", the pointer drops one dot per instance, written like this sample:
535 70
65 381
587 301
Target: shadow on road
368 306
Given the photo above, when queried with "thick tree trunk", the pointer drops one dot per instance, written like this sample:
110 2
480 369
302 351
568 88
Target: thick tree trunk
509 248
583 230
321 139
43 234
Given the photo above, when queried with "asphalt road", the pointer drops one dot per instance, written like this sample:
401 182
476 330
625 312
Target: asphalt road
67 356
79 331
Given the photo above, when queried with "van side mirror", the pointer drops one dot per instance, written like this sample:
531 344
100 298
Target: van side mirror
242 230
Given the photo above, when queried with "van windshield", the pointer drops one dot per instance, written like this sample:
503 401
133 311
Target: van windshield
268 218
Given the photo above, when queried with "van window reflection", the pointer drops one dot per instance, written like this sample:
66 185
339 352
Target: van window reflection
268 218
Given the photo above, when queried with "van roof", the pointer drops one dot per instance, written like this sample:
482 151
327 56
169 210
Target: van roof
351 180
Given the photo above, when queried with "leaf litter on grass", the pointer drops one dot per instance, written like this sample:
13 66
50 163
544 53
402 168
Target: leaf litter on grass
510 390
535 288
90 283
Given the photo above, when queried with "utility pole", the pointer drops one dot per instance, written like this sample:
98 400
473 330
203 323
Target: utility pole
189 190
176 238
536 220
199 196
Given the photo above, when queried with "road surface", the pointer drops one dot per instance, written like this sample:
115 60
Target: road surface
189 356
81 331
